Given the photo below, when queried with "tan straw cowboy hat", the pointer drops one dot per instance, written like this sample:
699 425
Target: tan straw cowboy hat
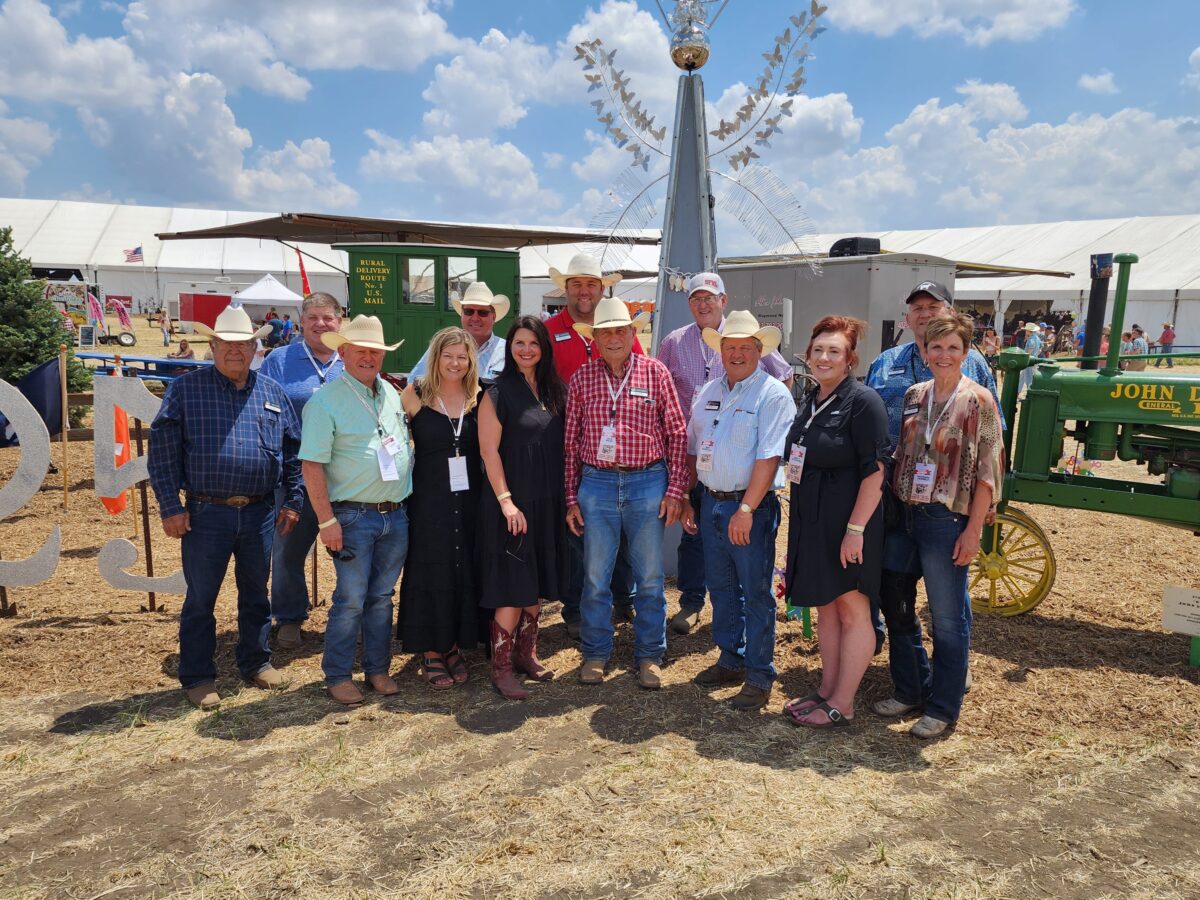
583 265
362 331
479 294
742 324
611 312
233 324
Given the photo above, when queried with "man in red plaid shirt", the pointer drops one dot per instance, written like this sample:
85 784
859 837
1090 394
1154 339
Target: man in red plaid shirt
626 473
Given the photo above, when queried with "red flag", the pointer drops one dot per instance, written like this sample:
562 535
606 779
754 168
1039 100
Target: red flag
116 505
303 275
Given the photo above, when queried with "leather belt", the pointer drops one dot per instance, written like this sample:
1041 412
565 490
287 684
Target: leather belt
615 468
385 506
237 501
725 495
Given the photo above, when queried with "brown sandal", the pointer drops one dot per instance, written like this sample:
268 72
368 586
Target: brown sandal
458 666
435 673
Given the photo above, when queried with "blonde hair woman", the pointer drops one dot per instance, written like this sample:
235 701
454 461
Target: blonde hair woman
439 596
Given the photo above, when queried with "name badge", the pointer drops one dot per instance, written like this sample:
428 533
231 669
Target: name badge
459 479
639 392
387 465
912 410
712 405
391 445
898 371
795 465
271 406
704 461
922 483
606 450
560 336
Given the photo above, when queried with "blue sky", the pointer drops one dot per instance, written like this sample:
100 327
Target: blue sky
917 113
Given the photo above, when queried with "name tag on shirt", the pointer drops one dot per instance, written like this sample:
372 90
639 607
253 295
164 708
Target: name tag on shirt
899 371
912 410
922 484
391 445
639 392
606 450
387 465
704 461
712 405
459 480
561 336
795 465
271 406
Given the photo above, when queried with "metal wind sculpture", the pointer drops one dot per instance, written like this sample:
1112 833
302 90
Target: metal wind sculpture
750 191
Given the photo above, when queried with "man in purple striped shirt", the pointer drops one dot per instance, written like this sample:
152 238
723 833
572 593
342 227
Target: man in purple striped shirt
693 364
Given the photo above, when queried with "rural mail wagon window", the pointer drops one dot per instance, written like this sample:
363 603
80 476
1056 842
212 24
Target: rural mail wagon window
460 272
420 286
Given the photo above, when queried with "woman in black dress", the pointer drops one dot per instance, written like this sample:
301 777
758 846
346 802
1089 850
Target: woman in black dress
439 595
836 450
523 539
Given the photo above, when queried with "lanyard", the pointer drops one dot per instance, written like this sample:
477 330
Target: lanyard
372 409
744 385
931 426
456 429
816 411
322 374
617 393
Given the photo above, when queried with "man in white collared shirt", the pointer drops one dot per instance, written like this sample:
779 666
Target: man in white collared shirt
480 311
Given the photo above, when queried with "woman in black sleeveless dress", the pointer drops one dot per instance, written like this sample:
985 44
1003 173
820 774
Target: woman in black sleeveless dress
439 595
522 537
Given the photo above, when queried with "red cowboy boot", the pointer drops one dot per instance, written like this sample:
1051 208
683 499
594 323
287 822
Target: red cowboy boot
525 658
502 665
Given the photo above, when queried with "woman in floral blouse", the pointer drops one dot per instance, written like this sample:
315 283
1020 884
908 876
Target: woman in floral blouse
948 471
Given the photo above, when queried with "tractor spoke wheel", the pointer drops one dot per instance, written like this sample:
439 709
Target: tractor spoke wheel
1015 568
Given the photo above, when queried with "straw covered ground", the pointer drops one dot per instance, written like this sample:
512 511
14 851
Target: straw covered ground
1074 772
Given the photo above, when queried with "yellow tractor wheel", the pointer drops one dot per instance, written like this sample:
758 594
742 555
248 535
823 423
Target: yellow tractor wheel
1015 568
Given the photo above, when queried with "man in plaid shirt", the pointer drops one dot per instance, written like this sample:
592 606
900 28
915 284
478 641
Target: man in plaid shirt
625 473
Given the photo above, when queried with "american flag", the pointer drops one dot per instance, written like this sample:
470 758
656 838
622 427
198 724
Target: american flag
134 255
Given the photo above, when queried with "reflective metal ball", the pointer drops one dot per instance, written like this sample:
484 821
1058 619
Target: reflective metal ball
689 47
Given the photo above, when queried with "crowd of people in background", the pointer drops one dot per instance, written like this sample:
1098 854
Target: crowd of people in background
544 466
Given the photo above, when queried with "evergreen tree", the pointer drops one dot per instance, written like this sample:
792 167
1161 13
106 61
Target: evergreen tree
30 325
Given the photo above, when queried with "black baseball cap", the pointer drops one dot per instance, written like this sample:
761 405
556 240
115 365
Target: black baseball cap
934 289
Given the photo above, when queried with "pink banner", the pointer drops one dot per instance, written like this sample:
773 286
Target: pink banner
122 313
95 312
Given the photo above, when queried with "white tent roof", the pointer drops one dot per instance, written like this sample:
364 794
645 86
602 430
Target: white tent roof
268 291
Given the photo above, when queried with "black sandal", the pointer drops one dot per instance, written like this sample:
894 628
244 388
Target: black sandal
458 666
836 719
791 708
433 671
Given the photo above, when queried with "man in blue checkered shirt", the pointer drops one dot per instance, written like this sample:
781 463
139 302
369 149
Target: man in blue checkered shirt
227 437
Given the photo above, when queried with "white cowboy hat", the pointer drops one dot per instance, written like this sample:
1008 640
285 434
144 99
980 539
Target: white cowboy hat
233 324
611 312
362 331
1033 326
479 294
742 324
583 265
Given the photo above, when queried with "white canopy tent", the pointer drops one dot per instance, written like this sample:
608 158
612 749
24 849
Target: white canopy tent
265 293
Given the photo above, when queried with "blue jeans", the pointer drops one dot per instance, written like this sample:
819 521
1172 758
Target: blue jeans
362 597
217 534
614 504
690 571
289 588
1165 349
621 585
739 579
925 541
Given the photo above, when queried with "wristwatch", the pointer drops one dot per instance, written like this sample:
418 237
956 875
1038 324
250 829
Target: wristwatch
745 507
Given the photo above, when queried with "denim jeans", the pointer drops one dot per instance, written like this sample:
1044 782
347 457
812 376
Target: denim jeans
217 534
289 587
622 579
1164 349
739 579
690 571
362 597
925 539
614 504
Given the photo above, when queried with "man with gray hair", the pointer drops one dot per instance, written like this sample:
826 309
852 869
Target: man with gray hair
301 369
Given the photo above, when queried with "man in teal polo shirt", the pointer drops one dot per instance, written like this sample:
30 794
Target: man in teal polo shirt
358 473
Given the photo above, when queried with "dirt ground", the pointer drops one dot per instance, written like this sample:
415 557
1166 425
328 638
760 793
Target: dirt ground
1074 771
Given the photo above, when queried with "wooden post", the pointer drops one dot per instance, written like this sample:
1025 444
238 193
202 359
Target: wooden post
137 427
62 379
314 602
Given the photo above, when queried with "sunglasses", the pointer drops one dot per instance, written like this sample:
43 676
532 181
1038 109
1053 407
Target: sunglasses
342 555
469 311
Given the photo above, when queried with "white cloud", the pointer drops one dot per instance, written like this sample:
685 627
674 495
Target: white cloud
553 160
1192 79
487 86
993 102
976 21
465 180
1100 83
23 144
41 62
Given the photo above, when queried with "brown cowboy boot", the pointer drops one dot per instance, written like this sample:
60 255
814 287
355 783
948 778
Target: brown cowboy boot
525 657
502 666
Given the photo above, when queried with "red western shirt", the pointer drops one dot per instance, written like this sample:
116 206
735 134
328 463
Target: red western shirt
650 425
571 351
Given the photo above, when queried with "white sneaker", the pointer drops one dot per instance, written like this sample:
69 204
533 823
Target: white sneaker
928 727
